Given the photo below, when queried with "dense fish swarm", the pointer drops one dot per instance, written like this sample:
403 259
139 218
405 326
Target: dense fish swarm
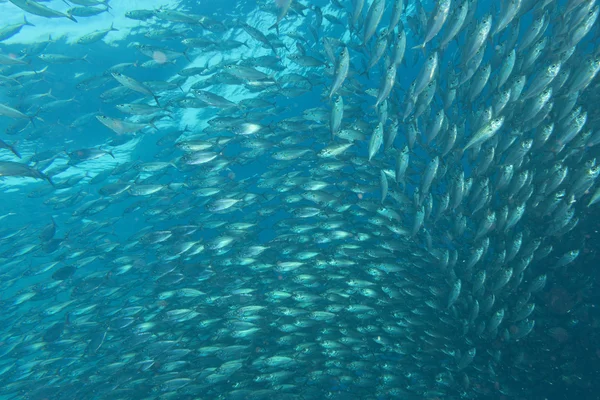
401 237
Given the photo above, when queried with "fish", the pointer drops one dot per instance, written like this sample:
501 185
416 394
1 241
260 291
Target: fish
374 15
397 10
95 36
82 155
259 36
376 140
214 100
323 213
11 168
11 30
435 22
477 39
11 148
457 18
386 85
10 112
485 132
284 7
121 127
508 13
134 85
60 58
341 71
92 2
86 11
36 8
337 114
426 74
399 46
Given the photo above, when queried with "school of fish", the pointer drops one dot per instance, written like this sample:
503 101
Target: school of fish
394 239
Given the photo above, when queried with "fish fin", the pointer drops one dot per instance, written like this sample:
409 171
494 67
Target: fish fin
25 22
71 17
422 47
112 27
84 58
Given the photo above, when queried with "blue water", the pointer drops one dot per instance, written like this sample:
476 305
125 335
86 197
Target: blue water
560 358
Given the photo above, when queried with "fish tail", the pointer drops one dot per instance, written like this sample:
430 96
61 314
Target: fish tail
14 150
25 22
35 116
46 177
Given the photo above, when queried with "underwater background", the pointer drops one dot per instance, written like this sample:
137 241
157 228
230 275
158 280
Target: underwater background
200 202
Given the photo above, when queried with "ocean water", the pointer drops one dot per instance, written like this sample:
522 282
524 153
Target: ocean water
108 293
